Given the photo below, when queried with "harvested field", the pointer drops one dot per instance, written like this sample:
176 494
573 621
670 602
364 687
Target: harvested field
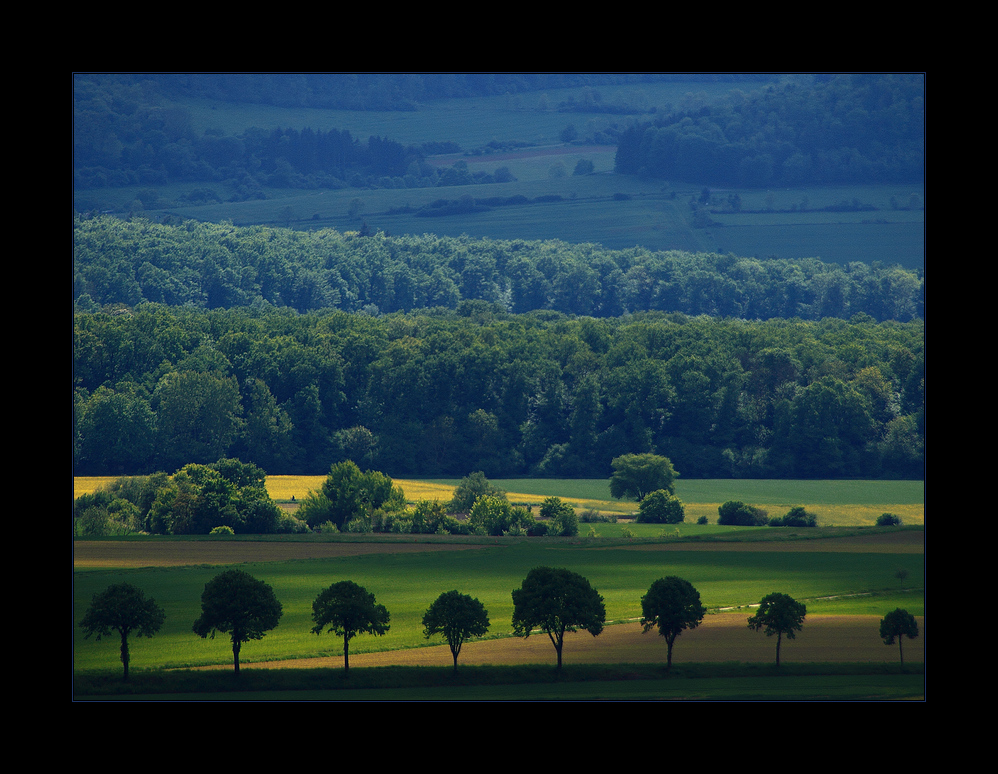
724 637
123 554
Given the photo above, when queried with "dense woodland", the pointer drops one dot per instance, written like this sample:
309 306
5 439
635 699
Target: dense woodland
438 393
843 129
205 265
132 130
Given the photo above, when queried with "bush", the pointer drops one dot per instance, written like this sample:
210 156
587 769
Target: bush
888 520
702 520
795 517
661 507
222 530
738 514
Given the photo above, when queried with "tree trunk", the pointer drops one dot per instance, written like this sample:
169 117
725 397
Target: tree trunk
346 654
901 648
236 645
779 637
124 653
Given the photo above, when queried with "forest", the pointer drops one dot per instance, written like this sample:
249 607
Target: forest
211 266
431 355
430 392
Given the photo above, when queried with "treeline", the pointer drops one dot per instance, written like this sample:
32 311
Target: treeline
440 393
850 128
210 266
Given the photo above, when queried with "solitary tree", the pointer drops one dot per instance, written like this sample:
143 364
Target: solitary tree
124 609
779 614
557 601
457 617
898 624
635 475
237 604
673 605
346 609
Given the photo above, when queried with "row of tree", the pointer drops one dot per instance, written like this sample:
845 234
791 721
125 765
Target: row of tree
552 600
849 128
210 265
428 394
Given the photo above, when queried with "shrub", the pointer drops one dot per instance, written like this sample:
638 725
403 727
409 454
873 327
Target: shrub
593 516
888 520
795 517
222 530
738 514
702 520
661 507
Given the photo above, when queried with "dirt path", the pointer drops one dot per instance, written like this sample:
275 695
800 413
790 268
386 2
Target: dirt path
721 638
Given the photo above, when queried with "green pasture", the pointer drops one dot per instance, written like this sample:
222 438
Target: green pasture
407 583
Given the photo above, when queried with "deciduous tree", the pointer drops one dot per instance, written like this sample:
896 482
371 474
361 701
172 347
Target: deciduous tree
779 614
672 605
237 604
124 609
457 617
556 601
897 625
636 475
346 609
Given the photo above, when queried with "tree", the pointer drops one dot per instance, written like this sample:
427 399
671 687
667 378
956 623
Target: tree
346 609
635 475
470 488
347 493
556 601
779 614
124 609
673 605
497 516
660 507
237 604
457 617
898 624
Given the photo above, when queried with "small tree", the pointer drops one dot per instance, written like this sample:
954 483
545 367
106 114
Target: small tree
562 517
457 617
673 605
469 489
635 475
661 507
888 520
898 624
556 601
237 604
779 614
124 609
346 609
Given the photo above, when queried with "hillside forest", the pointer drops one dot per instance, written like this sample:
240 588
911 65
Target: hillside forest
432 356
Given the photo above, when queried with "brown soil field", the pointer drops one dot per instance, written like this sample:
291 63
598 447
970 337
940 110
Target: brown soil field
724 637
90 554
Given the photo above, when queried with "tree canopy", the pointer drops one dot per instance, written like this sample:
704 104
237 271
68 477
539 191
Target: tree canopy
637 475
556 601
781 615
457 617
672 605
347 609
124 609
661 507
237 604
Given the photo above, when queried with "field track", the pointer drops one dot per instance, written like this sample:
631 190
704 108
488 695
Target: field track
93 554
724 637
